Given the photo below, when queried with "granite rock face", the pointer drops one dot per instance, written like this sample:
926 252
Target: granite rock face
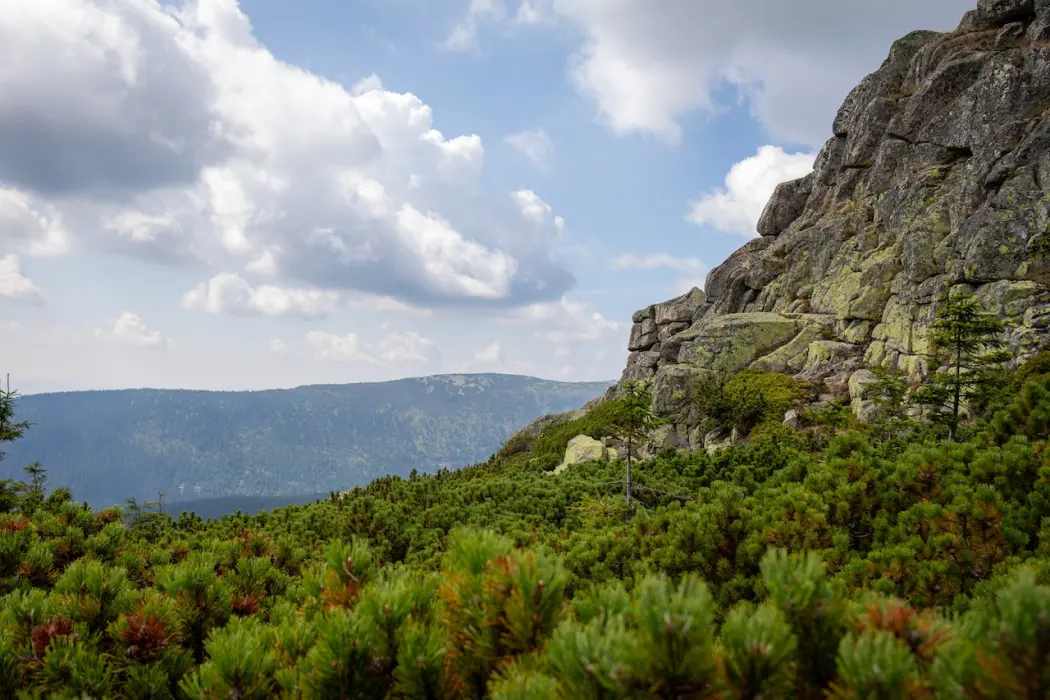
936 178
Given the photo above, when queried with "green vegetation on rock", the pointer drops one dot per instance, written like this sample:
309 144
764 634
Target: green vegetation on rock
748 399
969 342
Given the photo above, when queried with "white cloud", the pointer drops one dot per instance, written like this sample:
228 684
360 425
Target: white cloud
464 37
172 134
371 302
407 348
367 84
567 321
530 12
455 266
646 64
737 207
229 293
492 353
394 349
534 209
493 358
278 346
534 144
130 329
327 346
692 270
683 285
16 286
36 228
265 264
656 261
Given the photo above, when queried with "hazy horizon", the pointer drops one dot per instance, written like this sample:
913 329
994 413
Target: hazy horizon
21 392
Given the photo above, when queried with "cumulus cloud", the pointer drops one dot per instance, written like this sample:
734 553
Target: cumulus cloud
656 261
464 36
392 348
534 144
328 346
567 321
371 302
103 97
692 271
130 329
534 209
648 63
16 286
491 353
530 12
278 346
407 348
494 358
34 227
171 134
229 293
737 207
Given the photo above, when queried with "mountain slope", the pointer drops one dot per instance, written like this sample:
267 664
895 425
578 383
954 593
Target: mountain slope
110 445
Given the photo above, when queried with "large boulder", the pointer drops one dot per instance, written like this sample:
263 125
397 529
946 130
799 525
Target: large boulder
583 448
729 343
1004 11
643 335
861 384
787 203
680 309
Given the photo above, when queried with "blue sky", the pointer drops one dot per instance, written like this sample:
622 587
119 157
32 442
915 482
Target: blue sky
226 195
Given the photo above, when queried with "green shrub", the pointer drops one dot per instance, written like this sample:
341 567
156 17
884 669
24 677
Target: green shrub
748 399
549 447
848 566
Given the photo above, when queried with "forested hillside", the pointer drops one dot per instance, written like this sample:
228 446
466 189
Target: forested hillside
831 559
112 445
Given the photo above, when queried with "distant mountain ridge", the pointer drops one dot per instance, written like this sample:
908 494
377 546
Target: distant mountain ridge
114 444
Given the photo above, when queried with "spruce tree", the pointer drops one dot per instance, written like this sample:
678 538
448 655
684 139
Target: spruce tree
889 394
633 421
967 343
9 429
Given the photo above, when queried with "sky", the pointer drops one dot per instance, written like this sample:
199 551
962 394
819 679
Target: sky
258 194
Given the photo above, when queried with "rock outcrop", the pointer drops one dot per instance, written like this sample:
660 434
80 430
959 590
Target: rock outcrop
583 448
935 179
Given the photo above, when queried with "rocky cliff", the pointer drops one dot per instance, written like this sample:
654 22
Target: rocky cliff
935 178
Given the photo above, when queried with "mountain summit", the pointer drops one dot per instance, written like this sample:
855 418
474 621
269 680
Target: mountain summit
934 181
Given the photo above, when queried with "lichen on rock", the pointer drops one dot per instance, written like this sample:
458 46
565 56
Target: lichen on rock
584 448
